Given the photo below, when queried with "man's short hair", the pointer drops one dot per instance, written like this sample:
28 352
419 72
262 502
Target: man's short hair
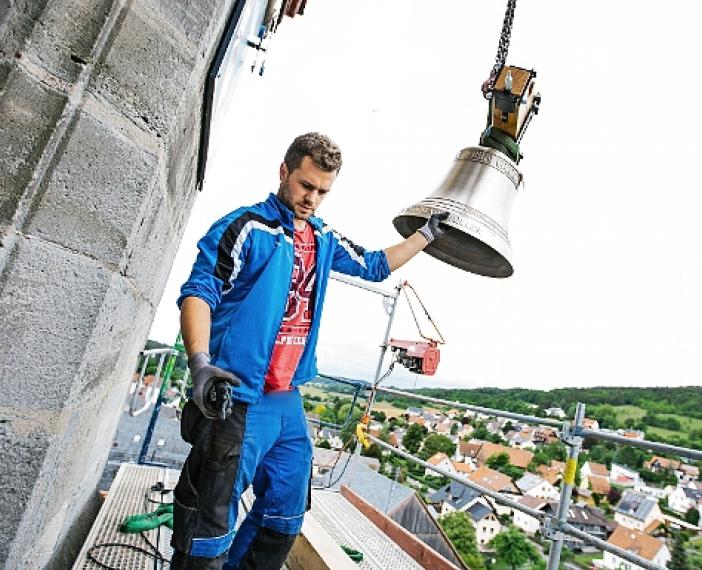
323 151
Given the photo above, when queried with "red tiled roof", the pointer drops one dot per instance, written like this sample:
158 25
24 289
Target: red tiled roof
636 541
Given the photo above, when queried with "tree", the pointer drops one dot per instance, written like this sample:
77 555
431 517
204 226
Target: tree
454 428
459 528
413 438
629 456
614 495
679 556
692 516
498 460
324 444
342 415
437 443
513 549
373 451
378 416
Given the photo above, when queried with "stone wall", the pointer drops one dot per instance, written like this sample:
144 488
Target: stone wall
100 105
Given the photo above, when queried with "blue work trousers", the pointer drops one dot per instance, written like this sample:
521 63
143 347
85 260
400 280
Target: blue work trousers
266 445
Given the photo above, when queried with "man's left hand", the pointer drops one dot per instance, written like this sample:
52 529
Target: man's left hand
432 230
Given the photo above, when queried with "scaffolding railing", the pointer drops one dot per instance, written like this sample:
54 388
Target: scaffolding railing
572 433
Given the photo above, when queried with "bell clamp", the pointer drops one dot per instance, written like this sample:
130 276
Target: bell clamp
514 101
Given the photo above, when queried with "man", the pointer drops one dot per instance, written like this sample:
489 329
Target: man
250 315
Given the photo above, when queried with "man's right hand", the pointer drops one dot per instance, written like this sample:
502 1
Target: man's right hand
211 386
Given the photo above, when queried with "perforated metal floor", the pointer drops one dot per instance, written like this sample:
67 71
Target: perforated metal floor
129 495
349 527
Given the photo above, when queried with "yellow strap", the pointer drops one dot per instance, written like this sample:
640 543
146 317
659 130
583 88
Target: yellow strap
361 435
571 468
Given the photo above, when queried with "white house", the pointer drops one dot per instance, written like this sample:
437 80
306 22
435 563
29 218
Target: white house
622 475
555 412
655 492
647 547
526 522
485 521
534 486
442 461
638 511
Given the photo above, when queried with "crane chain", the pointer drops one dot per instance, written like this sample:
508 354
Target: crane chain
502 49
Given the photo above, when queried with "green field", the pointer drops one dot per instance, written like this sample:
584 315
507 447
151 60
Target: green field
687 424
635 412
626 412
388 409
324 394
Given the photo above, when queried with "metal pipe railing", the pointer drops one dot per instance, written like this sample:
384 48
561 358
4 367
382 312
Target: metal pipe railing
643 443
472 408
542 517
498 497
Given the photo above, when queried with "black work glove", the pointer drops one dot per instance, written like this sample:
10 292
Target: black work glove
211 387
431 230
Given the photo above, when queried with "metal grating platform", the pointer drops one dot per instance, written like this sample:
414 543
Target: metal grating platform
349 527
127 496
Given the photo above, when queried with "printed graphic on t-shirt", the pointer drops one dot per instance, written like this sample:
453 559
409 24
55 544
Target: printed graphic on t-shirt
292 336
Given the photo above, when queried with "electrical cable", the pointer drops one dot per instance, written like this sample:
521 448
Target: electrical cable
156 555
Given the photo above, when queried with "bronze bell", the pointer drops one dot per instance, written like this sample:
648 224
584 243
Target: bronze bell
478 194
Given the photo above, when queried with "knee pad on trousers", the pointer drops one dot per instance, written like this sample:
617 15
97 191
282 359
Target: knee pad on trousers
268 550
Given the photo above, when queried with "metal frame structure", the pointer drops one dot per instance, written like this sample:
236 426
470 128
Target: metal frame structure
571 433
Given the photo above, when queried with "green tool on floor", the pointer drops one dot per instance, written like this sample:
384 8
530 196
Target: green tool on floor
149 521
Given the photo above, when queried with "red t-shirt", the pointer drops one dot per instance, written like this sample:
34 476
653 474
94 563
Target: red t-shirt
292 336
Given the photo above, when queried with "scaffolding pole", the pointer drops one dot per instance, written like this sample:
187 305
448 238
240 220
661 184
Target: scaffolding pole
574 444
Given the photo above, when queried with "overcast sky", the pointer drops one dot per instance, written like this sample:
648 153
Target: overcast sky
606 233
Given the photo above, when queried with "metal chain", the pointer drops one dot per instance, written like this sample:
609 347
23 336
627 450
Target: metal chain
502 49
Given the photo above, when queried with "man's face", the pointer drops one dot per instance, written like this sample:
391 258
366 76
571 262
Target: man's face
303 189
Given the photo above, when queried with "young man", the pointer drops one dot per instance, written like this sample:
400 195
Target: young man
250 315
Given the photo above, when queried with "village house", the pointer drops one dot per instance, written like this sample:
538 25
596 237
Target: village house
530 525
638 511
534 486
522 439
655 492
414 412
623 476
631 433
465 430
396 437
331 436
464 469
586 518
687 473
589 423
594 476
555 412
467 450
517 457
454 497
682 499
545 435
552 473
495 481
485 521
442 461
417 420
659 464
649 548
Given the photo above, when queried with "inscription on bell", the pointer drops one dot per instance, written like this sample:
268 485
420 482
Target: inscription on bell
492 159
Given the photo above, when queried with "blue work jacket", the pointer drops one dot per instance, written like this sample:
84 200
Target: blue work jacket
243 272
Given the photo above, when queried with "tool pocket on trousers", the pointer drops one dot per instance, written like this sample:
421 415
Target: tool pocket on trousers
204 491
